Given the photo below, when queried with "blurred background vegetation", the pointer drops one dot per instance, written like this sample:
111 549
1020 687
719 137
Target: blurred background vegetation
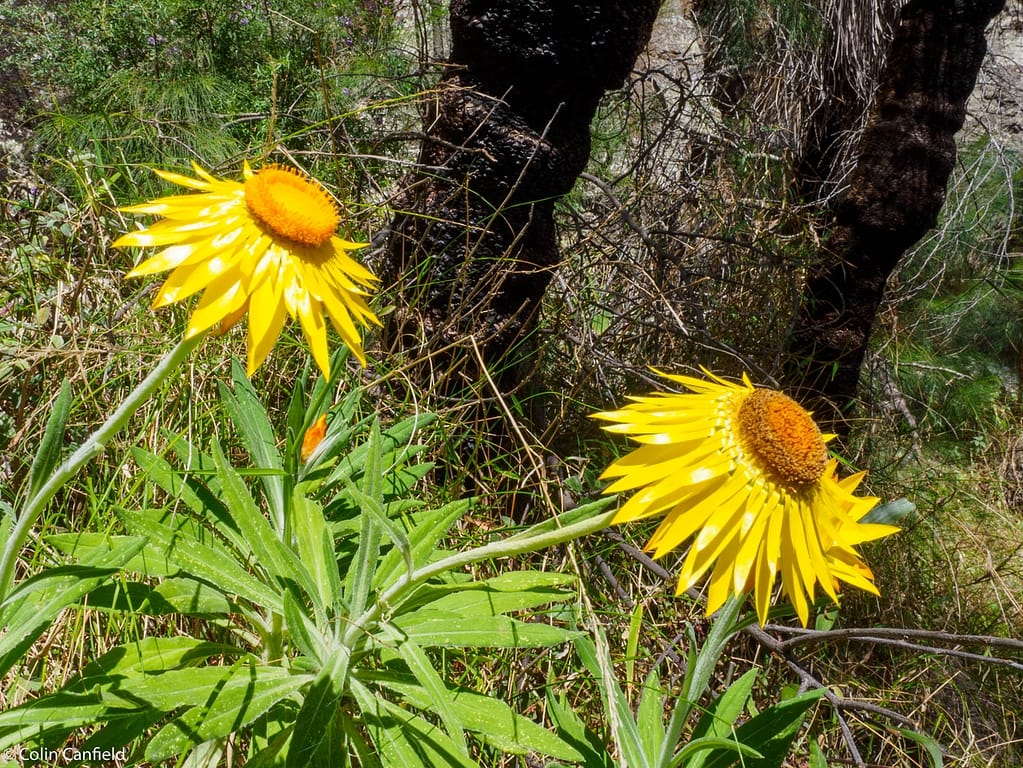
683 245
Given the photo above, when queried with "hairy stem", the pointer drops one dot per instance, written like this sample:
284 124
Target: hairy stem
91 448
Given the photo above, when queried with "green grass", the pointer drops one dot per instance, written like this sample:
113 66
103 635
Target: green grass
951 340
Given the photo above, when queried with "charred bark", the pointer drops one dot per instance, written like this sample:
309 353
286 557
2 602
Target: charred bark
507 134
906 154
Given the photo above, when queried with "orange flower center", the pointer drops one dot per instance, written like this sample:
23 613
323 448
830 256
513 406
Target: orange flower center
783 435
291 205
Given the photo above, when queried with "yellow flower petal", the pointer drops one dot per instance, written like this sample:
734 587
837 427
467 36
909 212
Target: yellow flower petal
266 244
266 320
222 298
743 474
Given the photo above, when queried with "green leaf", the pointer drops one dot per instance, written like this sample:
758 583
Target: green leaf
319 709
933 748
300 417
398 483
719 719
6 520
817 759
245 693
359 583
432 629
48 453
50 715
650 716
436 695
478 599
375 507
891 513
699 748
573 731
395 440
623 726
203 498
249 417
315 544
209 563
277 559
424 536
530 580
271 754
565 519
770 732
148 656
126 697
632 643
700 668
35 602
169 690
403 739
86 545
341 428
303 630
188 597
492 719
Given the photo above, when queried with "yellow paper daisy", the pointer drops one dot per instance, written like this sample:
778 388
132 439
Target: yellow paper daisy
745 472
265 246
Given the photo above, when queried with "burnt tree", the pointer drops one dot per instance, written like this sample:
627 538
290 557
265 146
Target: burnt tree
896 190
507 134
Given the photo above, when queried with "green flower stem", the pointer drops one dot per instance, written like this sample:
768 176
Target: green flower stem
520 544
88 450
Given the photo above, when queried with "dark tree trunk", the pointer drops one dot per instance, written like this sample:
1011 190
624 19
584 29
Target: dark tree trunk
507 134
896 190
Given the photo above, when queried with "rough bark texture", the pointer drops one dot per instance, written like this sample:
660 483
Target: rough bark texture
905 158
507 134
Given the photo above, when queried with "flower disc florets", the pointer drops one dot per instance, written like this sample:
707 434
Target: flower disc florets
291 205
783 436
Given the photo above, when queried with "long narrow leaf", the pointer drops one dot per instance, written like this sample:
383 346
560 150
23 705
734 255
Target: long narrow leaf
491 719
623 726
271 553
394 446
146 695
319 709
303 630
698 749
437 630
438 697
212 564
403 739
375 507
85 545
770 732
650 716
360 578
929 743
315 544
574 732
148 656
719 719
203 498
249 416
428 528
699 670
246 694
480 599
53 440
36 602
